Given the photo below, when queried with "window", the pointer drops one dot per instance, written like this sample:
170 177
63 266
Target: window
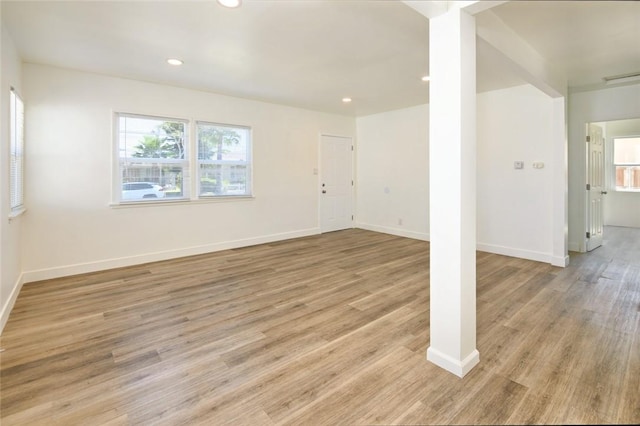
224 160
626 162
153 158
16 168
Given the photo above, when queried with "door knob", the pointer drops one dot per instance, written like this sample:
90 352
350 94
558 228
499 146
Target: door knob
324 192
603 192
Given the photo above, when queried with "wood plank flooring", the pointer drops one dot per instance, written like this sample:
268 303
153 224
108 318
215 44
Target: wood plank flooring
325 330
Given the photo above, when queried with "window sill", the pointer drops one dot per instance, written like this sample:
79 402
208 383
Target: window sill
16 213
183 201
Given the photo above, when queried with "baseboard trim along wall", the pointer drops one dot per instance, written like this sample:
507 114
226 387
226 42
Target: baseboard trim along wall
490 248
82 268
394 231
523 254
562 261
11 301
458 367
68 270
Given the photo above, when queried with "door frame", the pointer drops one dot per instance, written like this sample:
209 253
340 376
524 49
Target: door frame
319 171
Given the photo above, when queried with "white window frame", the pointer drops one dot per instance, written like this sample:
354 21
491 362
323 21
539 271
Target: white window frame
248 163
16 154
626 165
190 164
120 162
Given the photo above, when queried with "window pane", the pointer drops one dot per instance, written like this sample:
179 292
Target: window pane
626 151
153 159
628 178
142 137
223 180
16 162
620 177
626 158
216 142
151 181
224 154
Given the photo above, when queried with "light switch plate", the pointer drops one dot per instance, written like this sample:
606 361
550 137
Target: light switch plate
518 165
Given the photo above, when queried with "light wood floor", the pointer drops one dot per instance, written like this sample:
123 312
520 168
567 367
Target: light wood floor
325 330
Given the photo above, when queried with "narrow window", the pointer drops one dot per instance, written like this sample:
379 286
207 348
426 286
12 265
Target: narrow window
153 159
16 172
224 160
626 162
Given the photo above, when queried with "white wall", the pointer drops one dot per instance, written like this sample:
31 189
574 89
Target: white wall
515 207
393 172
70 228
615 103
10 230
620 208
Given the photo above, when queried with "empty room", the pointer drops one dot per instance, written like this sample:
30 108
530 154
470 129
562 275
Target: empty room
319 212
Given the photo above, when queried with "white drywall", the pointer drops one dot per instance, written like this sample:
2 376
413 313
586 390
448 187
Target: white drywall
70 227
393 172
515 207
10 229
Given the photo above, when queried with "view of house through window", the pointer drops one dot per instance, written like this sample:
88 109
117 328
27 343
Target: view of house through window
154 152
626 161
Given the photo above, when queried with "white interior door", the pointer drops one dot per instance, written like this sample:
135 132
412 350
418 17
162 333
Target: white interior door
595 187
336 183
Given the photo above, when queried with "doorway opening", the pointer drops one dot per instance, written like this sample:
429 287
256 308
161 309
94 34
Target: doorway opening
613 178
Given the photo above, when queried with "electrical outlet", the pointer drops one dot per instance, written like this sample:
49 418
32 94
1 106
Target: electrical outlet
538 165
399 221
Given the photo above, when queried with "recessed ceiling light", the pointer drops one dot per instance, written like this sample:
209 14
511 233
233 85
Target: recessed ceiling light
173 61
346 100
230 3
425 78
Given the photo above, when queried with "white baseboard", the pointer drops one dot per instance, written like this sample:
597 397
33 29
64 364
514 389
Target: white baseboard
561 261
101 265
11 301
490 248
514 252
458 367
394 231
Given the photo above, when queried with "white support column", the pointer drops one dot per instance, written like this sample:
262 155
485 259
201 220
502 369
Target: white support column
560 192
452 164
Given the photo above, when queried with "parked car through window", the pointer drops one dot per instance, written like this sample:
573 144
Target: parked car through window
141 190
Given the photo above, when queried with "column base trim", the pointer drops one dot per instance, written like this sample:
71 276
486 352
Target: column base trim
458 367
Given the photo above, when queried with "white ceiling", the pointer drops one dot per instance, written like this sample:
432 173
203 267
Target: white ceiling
589 40
308 53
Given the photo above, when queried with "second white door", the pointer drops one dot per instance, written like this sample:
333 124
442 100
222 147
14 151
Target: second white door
595 187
